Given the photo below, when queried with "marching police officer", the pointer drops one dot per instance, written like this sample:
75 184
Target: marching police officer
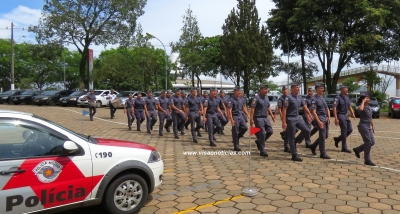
291 119
321 114
205 97
168 123
138 107
340 107
278 110
235 109
308 99
245 112
150 109
163 111
223 118
366 129
210 118
178 114
193 108
129 111
91 98
260 108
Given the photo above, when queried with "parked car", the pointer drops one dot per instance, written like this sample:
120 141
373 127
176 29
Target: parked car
374 104
273 101
394 107
50 98
329 99
71 100
5 97
47 168
25 97
100 97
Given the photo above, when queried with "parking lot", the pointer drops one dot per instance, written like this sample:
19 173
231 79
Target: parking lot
212 182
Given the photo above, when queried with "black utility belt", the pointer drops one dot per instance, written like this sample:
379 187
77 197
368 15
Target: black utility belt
260 116
292 115
342 113
235 114
194 111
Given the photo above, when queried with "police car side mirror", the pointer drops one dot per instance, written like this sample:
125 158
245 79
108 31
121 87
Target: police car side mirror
70 146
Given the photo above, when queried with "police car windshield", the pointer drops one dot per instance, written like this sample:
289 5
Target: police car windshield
83 137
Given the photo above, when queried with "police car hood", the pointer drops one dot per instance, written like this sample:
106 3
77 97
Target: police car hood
123 143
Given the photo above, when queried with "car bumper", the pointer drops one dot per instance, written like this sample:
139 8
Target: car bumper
40 102
82 103
2 101
68 102
158 170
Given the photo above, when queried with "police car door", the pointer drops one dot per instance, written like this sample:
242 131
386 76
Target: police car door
35 174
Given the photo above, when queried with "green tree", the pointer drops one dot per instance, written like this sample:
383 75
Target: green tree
296 70
351 84
361 31
255 85
82 23
188 47
72 60
246 49
371 79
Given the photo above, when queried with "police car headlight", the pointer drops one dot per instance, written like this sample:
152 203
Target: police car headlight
154 157
4 98
73 99
60 99
45 98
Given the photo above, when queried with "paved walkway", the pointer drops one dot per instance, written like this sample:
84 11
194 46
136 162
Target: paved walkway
213 183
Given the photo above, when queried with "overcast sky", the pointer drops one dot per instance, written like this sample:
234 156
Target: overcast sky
162 18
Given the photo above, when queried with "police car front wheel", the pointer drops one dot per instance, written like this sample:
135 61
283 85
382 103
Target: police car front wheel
126 194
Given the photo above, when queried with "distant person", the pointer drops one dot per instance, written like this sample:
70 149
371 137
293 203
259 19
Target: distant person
150 109
129 111
91 98
111 97
139 110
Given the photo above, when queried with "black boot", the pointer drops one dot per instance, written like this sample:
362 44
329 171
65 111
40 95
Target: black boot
324 156
263 154
346 150
369 163
199 134
313 148
356 153
337 140
212 143
287 149
296 158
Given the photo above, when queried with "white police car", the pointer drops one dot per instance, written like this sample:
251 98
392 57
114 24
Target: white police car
46 167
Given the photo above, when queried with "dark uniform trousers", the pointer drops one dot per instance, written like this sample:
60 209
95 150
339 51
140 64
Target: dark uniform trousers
139 114
266 131
323 134
313 130
368 137
178 120
244 117
212 120
239 129
345 129
131 117
151 120
222 118
112 109
194 117
163 117
92 111
294 123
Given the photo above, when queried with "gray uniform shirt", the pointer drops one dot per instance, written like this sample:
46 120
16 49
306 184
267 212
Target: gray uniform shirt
193 103
211 104
261 105
176 101
366 114
341 103
163 102
236 105
320 107
293 103
129 103
91 97
139 104
150 104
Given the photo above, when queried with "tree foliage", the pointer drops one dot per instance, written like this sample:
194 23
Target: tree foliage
189 47
246 49
351 84
296 70
363 31
371 79
83 22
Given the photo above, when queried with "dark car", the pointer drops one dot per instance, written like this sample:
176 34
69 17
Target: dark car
6 96
51 98
71 100
374 104
329 99
394 107
24 97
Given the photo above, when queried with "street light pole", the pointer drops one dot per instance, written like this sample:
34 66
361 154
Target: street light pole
12 56
166 69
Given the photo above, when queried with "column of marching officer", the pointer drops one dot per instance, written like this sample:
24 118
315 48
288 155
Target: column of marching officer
213 111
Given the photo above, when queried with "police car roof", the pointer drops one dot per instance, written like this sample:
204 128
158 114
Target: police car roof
2 111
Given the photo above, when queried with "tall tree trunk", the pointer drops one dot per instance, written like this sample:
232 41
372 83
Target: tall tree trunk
192 78
303 69
237 78
82 68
